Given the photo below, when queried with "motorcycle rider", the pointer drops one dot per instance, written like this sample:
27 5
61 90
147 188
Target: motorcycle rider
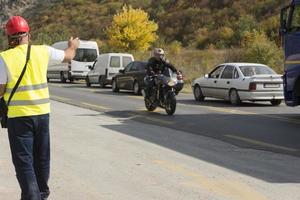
157 65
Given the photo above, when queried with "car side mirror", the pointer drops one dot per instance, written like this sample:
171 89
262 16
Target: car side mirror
122 71
206 76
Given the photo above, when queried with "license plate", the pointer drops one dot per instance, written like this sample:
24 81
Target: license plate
272 85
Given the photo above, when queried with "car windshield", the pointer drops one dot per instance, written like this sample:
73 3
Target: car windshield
86 55
256 70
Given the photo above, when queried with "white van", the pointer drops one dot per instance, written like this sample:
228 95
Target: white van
86 54
106 66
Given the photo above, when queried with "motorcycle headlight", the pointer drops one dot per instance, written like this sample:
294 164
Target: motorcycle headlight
171 83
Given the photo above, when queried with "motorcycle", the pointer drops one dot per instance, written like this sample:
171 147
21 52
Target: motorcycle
164 91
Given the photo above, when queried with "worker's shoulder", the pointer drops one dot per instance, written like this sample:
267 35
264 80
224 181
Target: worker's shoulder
6 52
40 46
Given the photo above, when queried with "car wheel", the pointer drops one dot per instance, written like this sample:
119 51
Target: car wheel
136 88
198 95
102 81
114 86
276 102
234 97
62 77
87 82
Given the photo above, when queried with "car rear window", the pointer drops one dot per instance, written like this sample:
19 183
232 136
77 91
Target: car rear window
126 60
256 70
115 62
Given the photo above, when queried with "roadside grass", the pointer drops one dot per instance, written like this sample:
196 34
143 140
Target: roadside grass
187 89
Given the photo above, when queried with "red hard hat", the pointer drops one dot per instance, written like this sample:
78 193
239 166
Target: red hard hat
16 24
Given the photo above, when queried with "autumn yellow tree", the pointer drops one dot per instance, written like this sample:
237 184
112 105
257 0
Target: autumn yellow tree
131 30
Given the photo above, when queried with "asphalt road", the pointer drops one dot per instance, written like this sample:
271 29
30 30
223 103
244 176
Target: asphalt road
95 156
211 150
257 126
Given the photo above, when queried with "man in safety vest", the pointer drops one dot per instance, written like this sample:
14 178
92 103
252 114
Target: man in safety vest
28 111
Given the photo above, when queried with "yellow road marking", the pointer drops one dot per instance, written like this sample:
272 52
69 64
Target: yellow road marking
186 94
59 98
93 90
96 106
292 62
157 110
239 112
285 119
223 187
135 97
161 121
55 85
87 89
231 111
259 143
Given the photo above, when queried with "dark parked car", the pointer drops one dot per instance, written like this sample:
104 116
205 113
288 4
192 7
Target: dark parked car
131 78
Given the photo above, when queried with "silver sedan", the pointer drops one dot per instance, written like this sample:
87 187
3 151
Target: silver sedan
239 82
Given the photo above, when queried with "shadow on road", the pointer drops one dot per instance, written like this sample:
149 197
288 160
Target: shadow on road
268 135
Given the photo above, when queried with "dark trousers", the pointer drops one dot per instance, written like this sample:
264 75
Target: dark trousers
30 148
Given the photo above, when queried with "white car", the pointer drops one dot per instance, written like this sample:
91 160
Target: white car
86 54
239 82
106 67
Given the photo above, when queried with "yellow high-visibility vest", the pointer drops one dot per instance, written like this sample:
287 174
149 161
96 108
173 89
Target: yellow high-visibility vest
32 95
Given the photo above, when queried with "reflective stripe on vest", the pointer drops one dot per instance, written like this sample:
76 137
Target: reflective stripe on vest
32 95
29 88
29 103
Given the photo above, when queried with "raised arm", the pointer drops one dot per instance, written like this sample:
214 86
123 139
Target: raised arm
70 52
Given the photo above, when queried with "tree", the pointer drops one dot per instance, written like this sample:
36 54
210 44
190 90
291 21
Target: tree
245 24
259 49
131 30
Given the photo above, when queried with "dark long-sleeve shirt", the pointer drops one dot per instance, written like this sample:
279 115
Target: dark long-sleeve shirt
158 66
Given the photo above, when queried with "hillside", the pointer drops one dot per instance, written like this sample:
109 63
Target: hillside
13 7
195 25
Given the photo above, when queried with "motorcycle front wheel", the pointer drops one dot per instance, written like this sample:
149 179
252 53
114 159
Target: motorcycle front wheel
170 104
149 105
